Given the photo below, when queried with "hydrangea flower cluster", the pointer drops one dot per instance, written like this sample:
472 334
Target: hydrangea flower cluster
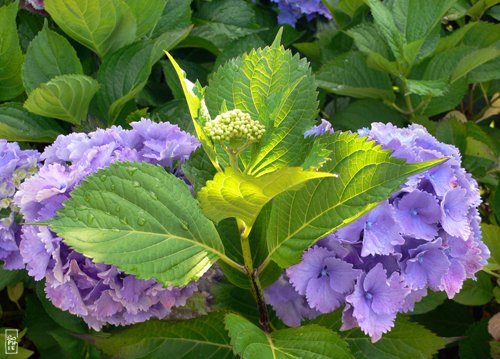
425 236
291 10
99 293
15 166
234 125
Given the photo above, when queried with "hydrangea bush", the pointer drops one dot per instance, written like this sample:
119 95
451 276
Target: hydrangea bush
425 236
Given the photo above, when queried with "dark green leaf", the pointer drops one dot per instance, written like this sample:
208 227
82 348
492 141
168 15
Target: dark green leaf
143 220
102 26
17 124
311 341
203 337
176 15
361 113
405 340
11 56
476 342
430 302
477 292
122 75
491 236
450 319
198 169
349 75
147 13
49 55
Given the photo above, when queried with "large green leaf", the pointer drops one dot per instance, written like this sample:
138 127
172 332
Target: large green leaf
102 26
147 14
203 337
11 56
122 75
17 124
491 234
311 341
349 75
367 175
65 97
276 89
405 340
235 194
143 220
49 55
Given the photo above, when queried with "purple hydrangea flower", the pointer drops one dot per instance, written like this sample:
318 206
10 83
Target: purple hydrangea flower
15 166
289 305
426 267
291 10
418 214
376 300
425 236
322 278
99 293
320 129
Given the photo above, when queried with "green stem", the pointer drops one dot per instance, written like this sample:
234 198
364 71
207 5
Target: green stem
253 275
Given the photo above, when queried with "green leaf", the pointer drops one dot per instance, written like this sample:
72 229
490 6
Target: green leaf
353 116
474 60
147 14
10 277
310 341
141 219
17 124
49 55
349 75
386 25
176 15
122 75
367 175
491 235
198 169
453 132
430 302
476 344
476 292
368 40
102 26
235 194
11 56
65 97
432 88
405 340
203 337
276 89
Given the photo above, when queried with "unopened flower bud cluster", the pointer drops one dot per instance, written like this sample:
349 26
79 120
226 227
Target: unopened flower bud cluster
234 125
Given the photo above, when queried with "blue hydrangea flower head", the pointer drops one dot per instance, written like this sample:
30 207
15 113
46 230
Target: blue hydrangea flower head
99 293
425 236
291 10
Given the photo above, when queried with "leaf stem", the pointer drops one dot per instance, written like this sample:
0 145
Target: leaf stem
253 275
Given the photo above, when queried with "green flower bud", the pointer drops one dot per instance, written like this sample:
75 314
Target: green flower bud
235 127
